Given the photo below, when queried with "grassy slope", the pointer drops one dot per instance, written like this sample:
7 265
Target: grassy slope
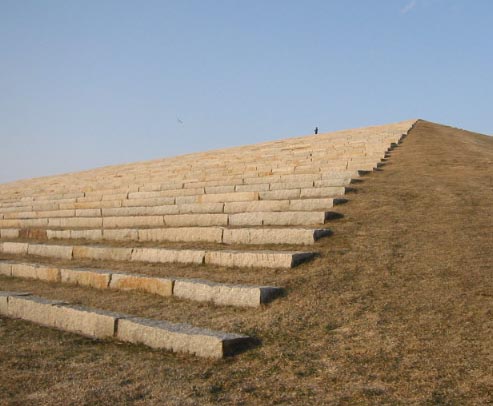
398 310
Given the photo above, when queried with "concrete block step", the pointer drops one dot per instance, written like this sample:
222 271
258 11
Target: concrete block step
245 217
104 324
184 208
295 236
190 289
227 258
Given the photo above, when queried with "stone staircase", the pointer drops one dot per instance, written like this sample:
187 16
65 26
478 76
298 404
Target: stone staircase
257 206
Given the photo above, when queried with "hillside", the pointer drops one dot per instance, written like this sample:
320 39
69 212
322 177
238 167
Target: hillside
396 308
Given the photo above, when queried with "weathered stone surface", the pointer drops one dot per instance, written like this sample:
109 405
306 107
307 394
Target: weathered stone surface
102 253
334 182
168 255
256 187
18 248
58 234
311 204
86 234
190 234
228 197
289 218
193 208
260 205
142 283
224 294
78 222
291 185
33 308
88 212
272 236
4 299
52 251
125 234
199 220
9 233
260 259
179 337
5 268
136 221
86 277
280 194
323 192
33 271
85 321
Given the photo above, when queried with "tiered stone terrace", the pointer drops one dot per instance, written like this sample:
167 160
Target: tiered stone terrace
217 208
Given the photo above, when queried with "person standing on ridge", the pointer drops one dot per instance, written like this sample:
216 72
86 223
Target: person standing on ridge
316 130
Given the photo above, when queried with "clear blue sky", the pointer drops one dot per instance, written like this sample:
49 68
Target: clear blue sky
89 83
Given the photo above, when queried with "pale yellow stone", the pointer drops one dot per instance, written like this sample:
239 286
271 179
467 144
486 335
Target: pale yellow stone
182 234
51 251
35 271
102 253
163 255
142 283
178 337
86 277
198 220
260 259
19 248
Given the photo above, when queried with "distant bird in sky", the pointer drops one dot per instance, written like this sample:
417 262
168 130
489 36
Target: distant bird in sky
178 119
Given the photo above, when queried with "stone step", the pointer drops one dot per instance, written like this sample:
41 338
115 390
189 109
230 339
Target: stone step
190 289
258 236
247 218
226 258
185 208
184 201
105 324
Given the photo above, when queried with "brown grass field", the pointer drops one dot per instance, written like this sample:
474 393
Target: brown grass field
398 309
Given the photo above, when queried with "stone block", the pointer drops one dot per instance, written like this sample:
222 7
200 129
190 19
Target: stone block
88 212
255 187
4 300
162 255
142 283
228 197
224 294
9 233
17 248
260 259
58 234
198 220
292 218
321 204
136 221
179 337
280 194
51 251
78 222
86 234
193 208
182 234
260 205
323 192
35 271
89 322
272 236
220 189
5 268
33 308
291 185
102 253
124 234
86 277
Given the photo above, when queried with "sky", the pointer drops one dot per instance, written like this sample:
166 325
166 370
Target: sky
91 83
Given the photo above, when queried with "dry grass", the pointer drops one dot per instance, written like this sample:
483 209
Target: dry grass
397 311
